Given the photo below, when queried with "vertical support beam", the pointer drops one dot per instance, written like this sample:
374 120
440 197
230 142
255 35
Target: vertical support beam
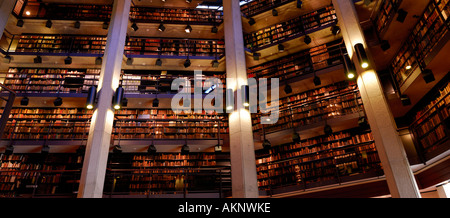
98 143
6 7
242 150
399 177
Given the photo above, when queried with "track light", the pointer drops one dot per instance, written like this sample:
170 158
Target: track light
266 144
362 56
327 130
280 48
214 29
105 25
335 30
317 81
187 63
245 95
287 89
90 100
428 76
37 60
117 149
185 149
405 100
349 67
307 39
68 60
215 63
48 24
134 26
151 149
98 61
24 101
251 21
296 137
58 101
9 150
161 27
299 4
77 25
188 29
274 12
155 102
45 149
118 96
129 61
20 23
158 62
401 15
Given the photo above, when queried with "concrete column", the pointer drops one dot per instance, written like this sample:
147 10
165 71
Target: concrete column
399 177
98 143
6 7
444 190
242 150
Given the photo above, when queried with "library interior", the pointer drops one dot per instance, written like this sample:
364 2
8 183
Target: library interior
87 89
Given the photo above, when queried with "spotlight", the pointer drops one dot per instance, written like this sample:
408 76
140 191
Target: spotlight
9 150
428 76
129 61
185 149
187 63
77 25
37 60
280 48
45 149
251 21
362 122
405 100
161 27
335 30
245 95
229 100
266 144
7 59
105 25
274 12
362 56
350 70
58 101
188 1
48 24
151 149
20 23
215 63
288 89
117 149
401 15
98 61
158 62
134 26
218 148
188 29
24 101
299 4
296 137
385 45
307 39
68 60
118 96
155 102
327 130
317 81
256 56
214 29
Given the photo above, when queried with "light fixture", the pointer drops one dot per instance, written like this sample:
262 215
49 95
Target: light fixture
215 63
408 67
48 24
256 56
349 67
105 25
117 149
296 137
90 100
185 149
251 21
20 23
327 130
428 76
155 102
188 29
37 59
229 100
187 63
118 96
28 13
245 95
384 44
266 144
274 12
214 29
335 30
362 56
24 101
58 101
68 60
287 89
210 89
158 62
362 122
307 39
98 61
218 148
299 4
401 15
9 150
77 25
7 59
161 27
134 26
129 61
151 149
45 149
280 48
188 1
317 80
405 100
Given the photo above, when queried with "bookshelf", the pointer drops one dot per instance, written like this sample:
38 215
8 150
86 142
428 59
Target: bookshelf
290 29
31 43
174 47
431 125
47 123
342 156
50 80
165 124
176 15
137 173
314 106
385 14
28 175
300 63
253 8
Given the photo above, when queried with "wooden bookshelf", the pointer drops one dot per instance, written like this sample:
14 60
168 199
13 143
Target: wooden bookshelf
50 80
385 14
28 175
314 106
343 156
259 6
176 15
174 47
300 63
291 29
47 123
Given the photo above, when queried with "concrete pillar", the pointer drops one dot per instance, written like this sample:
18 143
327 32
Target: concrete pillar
444 190
6 7
399 177
98 143
242 151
